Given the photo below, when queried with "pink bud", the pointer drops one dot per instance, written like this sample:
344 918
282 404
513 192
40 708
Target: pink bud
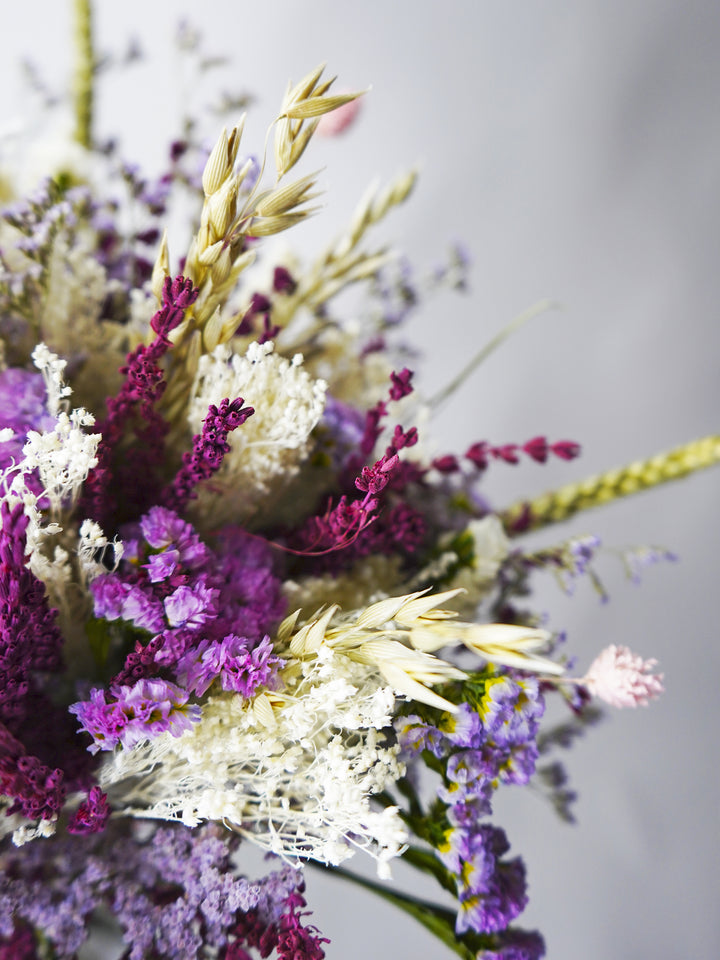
506 452
537 448
566 449
446 464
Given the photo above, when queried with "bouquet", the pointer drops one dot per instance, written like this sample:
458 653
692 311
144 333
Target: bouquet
244 597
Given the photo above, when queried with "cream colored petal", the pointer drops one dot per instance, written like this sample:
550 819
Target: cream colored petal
401 682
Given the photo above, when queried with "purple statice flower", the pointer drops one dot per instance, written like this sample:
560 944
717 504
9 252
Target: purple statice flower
284 932
142 609
117 599
463 728
340 431
512 709
135 713
161 566
92 815
184 594
415 735
238 668
37 791
251 602
113 483
491 892
175 895
470 780
164 530
208 452
22 408
192 606
637 560
20 945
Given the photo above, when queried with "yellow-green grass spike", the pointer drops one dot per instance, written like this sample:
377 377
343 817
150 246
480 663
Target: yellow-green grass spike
558 505
84 72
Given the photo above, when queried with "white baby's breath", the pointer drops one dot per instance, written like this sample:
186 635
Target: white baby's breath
296 775
266 452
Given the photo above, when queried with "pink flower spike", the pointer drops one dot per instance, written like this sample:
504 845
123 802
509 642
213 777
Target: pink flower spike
622 678
566 449
537 448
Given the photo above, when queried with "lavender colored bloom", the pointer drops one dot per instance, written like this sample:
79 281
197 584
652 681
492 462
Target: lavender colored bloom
163 528
142 609
463 728
491 893
191 606
468 812
512 709
161 566
175 894
246 672
109 593
340 431
135 713
22 408
238 668
117 599
415 735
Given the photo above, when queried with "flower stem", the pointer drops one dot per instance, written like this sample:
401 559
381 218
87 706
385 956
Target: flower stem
438 920
558 505
84 72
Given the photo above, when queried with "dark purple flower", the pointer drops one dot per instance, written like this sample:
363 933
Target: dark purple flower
209 449
92 814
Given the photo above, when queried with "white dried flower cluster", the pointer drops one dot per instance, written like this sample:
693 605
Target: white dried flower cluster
267 451
52 368
63 457
295 770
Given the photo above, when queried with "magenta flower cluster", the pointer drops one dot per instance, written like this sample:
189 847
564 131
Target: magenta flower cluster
205 616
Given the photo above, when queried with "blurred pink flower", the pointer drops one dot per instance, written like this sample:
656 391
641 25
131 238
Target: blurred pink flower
337 121
622 678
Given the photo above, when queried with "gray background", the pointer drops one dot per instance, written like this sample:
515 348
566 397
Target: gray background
574 149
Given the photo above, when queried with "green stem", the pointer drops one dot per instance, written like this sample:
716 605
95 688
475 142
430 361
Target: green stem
438 920
542 307
84 72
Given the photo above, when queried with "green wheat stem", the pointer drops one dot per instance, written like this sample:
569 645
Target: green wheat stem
558 505
84 72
